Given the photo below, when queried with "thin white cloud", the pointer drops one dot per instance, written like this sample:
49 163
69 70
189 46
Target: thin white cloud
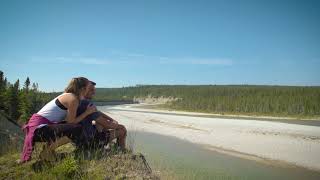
83 60
227 62
139 58
62 60
197 61
94 61
72 60
135 58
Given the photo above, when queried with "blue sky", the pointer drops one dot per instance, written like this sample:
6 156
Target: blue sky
124 43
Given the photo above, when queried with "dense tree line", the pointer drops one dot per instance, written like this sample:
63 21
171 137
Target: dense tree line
19 103
236 99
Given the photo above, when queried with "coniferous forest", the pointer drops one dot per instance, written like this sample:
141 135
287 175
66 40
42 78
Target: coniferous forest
234 99
18 102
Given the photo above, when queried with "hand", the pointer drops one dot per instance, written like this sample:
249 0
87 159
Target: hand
91 109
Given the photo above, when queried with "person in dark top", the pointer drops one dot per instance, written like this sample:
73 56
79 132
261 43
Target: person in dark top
104 125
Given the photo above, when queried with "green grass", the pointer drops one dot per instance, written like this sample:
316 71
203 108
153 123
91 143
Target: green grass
71 165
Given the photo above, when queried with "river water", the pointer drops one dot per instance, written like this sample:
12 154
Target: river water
178 159
185 160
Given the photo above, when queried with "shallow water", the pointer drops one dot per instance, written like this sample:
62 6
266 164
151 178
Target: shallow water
191 161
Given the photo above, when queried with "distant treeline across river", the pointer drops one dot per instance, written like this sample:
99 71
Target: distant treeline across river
19 100
234 99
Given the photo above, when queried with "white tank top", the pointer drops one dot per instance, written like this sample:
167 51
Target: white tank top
53 112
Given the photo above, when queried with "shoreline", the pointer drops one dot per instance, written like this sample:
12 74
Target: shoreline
268 141
188 159
259 159
243 155
226 115
289 120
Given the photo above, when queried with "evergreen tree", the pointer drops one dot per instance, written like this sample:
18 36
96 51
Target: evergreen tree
24 107
20 104
1 81
13 100
240 99
2 91
35 87
5 82
25 103
26 85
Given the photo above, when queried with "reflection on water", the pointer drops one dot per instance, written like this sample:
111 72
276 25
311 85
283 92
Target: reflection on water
190 161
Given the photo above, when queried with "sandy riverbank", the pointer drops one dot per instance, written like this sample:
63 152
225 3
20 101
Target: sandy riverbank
296 144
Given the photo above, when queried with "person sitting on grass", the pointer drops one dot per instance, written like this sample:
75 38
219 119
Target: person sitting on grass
102 122
46 126
98 129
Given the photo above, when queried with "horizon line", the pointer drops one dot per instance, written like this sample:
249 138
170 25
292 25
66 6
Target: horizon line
137 85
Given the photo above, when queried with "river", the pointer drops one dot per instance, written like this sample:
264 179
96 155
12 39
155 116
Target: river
178 147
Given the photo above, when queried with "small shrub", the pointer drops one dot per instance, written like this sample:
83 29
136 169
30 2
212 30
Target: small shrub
68 167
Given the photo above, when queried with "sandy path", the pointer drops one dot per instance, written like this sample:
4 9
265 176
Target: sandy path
291 143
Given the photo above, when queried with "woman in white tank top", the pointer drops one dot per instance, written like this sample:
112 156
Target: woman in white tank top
44 125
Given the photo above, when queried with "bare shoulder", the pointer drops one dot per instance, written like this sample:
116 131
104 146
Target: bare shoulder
69 95
68 99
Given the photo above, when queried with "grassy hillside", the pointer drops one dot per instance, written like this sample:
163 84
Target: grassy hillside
11 136
111 166
69 164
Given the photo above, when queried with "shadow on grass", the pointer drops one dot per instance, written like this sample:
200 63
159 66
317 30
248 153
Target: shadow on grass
43 165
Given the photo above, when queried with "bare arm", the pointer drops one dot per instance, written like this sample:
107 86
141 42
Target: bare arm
108 117
72 112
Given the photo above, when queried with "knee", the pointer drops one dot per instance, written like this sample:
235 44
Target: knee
123 129
123 132
120 126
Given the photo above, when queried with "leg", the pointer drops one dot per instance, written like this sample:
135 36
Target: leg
117 130
56 135
122 134
119 134
105 123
